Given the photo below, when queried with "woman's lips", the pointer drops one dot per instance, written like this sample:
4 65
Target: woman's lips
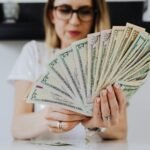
74 33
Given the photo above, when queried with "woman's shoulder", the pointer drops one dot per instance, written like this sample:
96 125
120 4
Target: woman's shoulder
34 45
34 48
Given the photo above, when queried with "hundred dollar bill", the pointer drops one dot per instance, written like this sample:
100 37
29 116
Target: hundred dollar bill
81 61
138 76
117 32
70 71
130 34
44 93
142 37
93 45
112 51
137 54
141 66
46 97
128 90
133 35
56 77
104 41
134 83
93 50
130 54
50 82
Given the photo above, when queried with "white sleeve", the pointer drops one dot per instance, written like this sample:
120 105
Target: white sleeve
25 66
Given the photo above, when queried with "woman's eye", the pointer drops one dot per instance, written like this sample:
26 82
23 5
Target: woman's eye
65 10
86 11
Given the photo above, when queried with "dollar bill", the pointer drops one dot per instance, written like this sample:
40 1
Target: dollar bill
104 41
93 51
112 51
77 74
81 61
70 71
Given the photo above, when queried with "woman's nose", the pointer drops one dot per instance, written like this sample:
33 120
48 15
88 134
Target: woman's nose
74 20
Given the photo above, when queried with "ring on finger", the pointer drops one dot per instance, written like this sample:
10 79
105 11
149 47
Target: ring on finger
59 125
107 117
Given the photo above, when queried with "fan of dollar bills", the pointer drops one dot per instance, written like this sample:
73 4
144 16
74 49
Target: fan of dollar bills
77 74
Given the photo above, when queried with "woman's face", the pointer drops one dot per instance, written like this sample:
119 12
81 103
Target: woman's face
74 28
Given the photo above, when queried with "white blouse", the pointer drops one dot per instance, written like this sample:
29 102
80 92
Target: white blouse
29 66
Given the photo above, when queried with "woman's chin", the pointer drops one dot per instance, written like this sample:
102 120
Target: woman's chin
69 41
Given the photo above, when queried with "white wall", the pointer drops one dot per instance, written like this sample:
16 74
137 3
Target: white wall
146 15
9 51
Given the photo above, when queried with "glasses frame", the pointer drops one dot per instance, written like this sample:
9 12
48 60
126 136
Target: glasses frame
77 12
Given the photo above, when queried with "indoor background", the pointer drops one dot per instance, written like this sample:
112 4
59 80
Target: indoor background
14 36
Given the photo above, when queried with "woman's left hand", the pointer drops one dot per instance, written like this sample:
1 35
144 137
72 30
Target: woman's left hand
109 111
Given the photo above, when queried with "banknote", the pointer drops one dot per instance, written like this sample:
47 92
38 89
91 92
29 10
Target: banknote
80 56
77 74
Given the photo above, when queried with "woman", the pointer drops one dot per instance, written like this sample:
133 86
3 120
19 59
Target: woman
65 22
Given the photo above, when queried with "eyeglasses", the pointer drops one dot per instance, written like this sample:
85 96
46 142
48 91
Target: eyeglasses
64 12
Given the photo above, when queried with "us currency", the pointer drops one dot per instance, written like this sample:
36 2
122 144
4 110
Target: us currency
81 61
39 95
57 78
116 33
91 55
49 81
139 53
138 76
130 34
104 41
93 50
94 44
70 71
43 92
133 83
141 38
128 90
112 51
139 67
123 41
130 54
133 35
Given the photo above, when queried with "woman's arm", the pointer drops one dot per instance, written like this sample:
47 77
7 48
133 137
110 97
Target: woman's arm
28 124
109 112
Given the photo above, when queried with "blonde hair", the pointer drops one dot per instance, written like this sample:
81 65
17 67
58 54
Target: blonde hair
102 21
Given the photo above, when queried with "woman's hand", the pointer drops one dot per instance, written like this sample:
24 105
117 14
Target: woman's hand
109 112
59 120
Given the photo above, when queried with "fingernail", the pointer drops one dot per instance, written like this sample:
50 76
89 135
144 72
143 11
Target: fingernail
98 100
117 85
109 88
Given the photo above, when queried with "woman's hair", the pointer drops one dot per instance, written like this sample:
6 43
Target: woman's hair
101 21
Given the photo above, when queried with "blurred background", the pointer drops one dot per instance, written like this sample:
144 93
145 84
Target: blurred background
24 23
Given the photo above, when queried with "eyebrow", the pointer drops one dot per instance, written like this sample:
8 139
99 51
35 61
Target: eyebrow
65 4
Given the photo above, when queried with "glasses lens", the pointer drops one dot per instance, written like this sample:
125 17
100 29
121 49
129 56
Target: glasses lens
63 12
86 13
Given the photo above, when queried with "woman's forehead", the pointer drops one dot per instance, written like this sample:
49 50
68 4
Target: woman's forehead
74 3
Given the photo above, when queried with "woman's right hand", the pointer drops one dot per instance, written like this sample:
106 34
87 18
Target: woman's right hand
54 116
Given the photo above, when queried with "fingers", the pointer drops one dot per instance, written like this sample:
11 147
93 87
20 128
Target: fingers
120 97
62 110
63 117
96 110
97 113
60 120
65 126
113 104
105 108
